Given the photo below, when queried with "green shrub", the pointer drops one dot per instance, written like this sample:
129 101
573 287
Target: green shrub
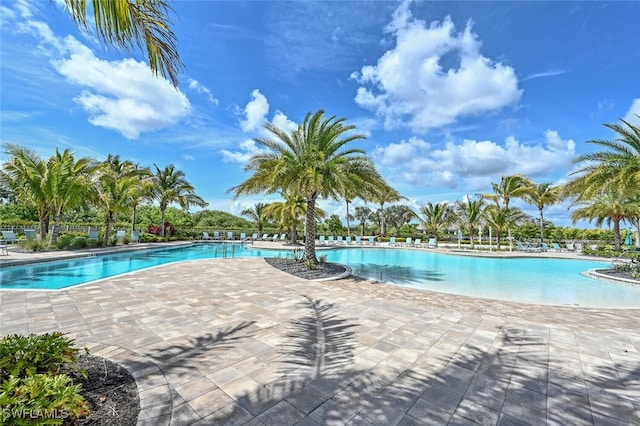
33 245
310 264
322 258
22 356
79 242
40 399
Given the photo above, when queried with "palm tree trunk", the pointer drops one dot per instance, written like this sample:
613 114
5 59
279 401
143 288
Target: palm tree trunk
133 218
310 237
636 221
348 225
471 232
294 232
382 219
541 226
42 225
162 221
617 246
56 228
108 225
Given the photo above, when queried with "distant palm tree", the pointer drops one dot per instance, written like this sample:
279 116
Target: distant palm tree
383 196
502 219
437 217
398 215
142 193
69 183
611 207
513 186
314 160
127 23
541 195
363 214
258 215
290 212
470 213
171 186
26 175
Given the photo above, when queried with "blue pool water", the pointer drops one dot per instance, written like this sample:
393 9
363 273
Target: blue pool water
530 280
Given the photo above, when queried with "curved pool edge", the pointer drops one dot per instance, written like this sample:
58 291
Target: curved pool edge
593 273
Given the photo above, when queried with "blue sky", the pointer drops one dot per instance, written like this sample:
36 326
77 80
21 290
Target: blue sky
451 95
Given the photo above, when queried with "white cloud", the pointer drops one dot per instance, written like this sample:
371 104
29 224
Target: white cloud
634 111
120 95
543 74
188 157
474 164
417 84
198 87
248 149
255 112
281 121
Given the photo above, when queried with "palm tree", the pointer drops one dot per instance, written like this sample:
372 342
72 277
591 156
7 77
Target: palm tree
513 186
383 196
26 175
541 195
612 206
315 161
258 215
470 213
363 214
127 23
68 184
117 188
142 193
437 217
502 219
290 211
399 214
171 186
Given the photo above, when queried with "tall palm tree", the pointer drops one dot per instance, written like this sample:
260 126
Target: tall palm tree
171 186
513 186
502 219
399 214
611 207
363 214
541 195
117 187
470 213
437 217
258 215
128 23
383 196
70 182
313 160
143 192
26 175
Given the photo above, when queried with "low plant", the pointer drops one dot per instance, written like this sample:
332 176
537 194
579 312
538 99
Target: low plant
33 245
310 264
322 258
296 254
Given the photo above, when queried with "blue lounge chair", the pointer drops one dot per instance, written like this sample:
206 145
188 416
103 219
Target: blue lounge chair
120 235
321 239
9 237
408 242
30 234
340 239
254 236
216 235
135 236
372 241
556 246
348 240
205 235
417 242
93 236
265 237
392 241
331 239
230 235
243 236
432 243
359 240
283 237
275 237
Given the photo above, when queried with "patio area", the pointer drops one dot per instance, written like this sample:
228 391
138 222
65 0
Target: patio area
235 341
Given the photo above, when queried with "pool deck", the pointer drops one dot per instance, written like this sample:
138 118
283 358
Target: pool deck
234 341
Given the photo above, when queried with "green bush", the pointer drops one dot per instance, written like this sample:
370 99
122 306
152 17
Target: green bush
22 356
40 399
33 245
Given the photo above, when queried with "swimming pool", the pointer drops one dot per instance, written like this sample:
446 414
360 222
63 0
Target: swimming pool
529 280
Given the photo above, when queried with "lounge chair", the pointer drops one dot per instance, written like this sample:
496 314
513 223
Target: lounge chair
359 240
348 240
417 242
431 243
4 250
275 237
93 236
283 237
578 247
556 246
120 235
205 235
331 239
254 236
392 241
265 237
9 237
372 241
408 242
230 235
340 239
527 247
30 234
321 239
135 236
570 247
216 235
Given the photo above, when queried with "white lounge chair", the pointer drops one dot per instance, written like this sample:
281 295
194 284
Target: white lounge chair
408 242
265 237
120 235
417 242
205 235
230 235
